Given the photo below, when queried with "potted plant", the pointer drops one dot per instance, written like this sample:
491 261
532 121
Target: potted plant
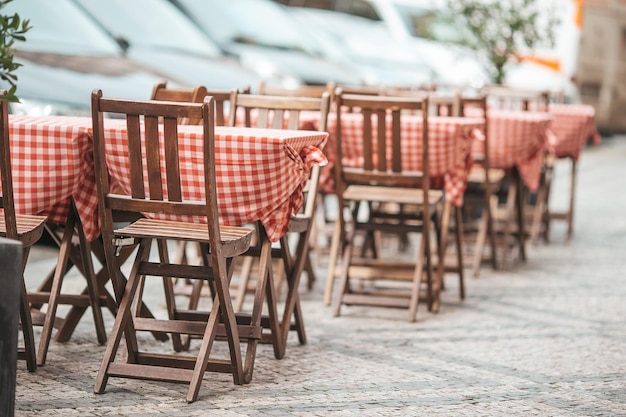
12 29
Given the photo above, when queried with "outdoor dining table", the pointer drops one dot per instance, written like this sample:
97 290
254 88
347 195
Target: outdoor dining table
260 174
517 141
450 144
573 127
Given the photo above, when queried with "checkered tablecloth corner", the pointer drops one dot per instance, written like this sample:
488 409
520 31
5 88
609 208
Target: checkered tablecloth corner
518 139
573 126
52 163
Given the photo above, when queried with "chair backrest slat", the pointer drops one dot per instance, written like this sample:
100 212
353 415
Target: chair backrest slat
153 157
172 164
135 156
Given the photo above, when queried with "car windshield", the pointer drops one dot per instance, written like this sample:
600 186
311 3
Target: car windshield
240 21
60 27
151 24
428 23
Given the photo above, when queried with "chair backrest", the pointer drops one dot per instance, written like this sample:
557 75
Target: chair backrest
509 98
476 105
197 95
153 160
277 112
444 104
161 92
274 112
222 103
382 160
8 203
301 91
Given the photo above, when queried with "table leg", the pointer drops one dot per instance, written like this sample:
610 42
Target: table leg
521 229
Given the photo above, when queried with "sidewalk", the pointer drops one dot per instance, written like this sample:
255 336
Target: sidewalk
545 338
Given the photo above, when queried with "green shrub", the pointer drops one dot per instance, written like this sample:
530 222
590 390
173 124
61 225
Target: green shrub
12 29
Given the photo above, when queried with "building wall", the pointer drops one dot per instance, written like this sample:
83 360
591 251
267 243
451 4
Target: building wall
601 70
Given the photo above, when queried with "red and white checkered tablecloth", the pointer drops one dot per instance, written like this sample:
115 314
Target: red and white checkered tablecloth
573 125
52 161
261 172
450 141
518 139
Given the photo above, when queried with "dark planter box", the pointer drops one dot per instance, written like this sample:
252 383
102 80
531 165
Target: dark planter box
11 267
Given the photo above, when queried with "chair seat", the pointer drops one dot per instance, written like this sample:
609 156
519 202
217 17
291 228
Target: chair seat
477 175
383 194
235 240
299 223
29 228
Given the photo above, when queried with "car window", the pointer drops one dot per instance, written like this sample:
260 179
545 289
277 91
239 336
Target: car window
60 27
363 9
239 21
429 23
150 23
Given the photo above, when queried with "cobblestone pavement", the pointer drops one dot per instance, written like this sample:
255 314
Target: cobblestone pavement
546 337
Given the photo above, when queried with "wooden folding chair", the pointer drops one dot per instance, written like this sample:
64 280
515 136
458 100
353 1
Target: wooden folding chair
483 184
324 224
152 159
381 179
507 98
448 105
27 229
221 97
279 112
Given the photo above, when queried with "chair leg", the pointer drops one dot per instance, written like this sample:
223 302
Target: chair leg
310 271
510 208
92 284
168 289
264 290
486 230
540 213
441 237
335 247
572 191
26 322
459 250
343 276
55 291
293 270
417 280
521 223
491 232
122 326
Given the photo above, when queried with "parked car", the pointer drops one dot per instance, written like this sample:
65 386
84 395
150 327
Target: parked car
417 22
454 65
156 34
264 37
65 56
367 46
